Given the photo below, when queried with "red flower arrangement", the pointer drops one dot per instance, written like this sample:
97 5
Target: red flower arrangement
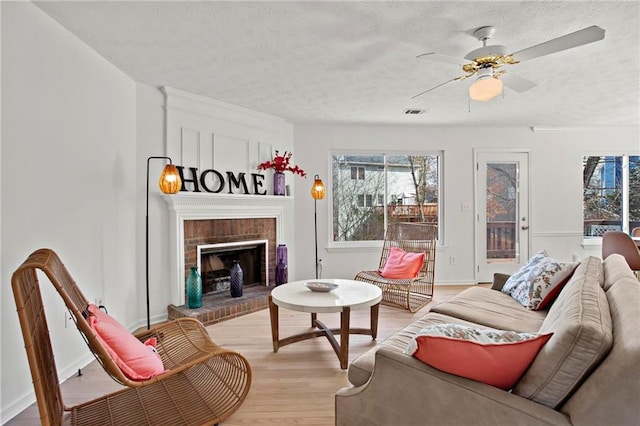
281 163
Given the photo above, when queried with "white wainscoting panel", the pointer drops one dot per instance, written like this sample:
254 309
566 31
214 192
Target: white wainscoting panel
209 134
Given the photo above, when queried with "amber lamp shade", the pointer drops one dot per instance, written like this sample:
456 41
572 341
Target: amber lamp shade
170 182
317 189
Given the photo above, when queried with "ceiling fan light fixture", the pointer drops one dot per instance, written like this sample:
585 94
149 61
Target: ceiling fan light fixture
485 88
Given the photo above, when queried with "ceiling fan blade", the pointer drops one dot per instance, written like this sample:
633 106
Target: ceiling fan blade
575 39
435 87
436 57
516 83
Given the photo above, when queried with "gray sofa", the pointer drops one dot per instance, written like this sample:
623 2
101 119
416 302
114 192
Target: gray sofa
588 373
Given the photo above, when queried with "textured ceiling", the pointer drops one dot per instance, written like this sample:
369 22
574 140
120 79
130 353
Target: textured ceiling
355 61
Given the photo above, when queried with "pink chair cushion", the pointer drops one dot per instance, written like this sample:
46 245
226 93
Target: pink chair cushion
138 361
401 264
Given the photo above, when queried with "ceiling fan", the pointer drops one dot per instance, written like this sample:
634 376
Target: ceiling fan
486 61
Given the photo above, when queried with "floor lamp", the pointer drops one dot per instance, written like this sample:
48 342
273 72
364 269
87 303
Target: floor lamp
169 183
317 192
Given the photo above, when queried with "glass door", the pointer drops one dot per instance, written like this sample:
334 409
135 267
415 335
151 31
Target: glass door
502 212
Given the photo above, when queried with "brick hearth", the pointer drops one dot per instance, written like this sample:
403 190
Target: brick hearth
221 307
218 307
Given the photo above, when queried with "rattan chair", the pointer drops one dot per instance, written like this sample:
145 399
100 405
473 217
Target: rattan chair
203 385
411 294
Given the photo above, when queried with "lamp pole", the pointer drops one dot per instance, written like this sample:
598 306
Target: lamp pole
317 192
315 223
147 237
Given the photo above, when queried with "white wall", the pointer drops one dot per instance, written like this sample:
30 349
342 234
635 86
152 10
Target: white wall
555 177
68 183
76 133
150 143
1 180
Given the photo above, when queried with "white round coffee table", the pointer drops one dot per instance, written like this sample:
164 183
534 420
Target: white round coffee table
348 295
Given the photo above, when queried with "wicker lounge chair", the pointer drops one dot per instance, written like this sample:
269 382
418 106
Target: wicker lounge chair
411 294
203 383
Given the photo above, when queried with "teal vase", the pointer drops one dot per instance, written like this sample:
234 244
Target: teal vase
194 289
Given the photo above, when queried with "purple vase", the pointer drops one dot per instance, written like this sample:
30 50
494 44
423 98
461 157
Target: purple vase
282 269
278 183
236 277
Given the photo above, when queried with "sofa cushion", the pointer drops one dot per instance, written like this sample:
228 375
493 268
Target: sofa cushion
582 336
401 264
491 308
539 281
495 357
610 395
361 368
615 268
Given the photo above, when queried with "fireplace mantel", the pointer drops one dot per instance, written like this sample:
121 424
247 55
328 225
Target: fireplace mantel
193 202
196 206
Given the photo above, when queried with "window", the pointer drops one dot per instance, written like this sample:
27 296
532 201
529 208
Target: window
370 191
611 194
357 173
365 200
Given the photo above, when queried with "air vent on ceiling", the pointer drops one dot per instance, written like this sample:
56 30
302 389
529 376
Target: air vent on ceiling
411 111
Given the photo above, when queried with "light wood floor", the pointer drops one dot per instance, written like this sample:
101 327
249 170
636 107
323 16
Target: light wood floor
295 386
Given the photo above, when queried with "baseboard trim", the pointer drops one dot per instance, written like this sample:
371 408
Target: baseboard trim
19 405
457 282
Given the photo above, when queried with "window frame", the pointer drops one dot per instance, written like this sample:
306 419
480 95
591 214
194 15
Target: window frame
376 244
625 154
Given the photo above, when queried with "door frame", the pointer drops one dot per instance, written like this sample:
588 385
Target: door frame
476 210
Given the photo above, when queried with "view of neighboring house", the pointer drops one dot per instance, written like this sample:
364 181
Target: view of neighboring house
372 190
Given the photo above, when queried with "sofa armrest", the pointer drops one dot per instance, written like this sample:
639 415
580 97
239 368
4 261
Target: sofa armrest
499 281
405 391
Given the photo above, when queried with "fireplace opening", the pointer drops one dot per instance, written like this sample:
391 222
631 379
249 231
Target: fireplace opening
229 233
215 261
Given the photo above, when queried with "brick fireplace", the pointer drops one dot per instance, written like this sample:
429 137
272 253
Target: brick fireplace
201 220
207 134
214 231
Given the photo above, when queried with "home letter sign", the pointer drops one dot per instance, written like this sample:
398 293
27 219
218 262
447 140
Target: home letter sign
213 181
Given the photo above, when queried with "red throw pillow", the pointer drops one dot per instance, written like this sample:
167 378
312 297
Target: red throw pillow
137 360
495 357
401 264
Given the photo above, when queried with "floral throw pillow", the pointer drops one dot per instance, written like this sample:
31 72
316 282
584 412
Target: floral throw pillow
495 357
538 282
